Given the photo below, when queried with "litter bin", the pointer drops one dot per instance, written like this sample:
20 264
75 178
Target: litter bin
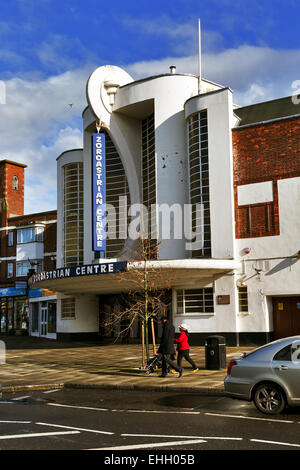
215 353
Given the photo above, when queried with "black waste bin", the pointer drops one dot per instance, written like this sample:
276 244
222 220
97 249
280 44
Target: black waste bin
215 353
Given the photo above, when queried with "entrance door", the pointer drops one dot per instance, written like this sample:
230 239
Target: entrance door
286 315
44 319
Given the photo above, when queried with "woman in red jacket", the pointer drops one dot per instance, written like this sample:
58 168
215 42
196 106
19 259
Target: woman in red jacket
183 347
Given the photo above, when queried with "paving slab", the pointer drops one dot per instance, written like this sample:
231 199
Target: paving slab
42 364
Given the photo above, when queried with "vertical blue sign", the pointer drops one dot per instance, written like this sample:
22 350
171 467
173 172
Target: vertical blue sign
99 190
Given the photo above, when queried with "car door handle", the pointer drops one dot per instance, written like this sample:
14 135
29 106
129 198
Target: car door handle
282 367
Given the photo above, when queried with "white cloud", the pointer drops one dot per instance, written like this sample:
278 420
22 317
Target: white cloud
37 123
41 177
182 37
253 73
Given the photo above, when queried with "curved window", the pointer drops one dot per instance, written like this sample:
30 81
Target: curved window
149 181
117 195
199 184
73 214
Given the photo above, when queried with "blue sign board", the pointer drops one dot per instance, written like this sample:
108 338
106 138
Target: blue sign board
34 293
11 292
99 192
21 284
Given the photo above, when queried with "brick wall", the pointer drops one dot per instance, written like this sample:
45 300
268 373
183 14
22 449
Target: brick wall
49 242
264 152
14 197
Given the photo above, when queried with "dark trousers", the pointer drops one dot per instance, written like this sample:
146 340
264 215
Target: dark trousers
186 355
165 359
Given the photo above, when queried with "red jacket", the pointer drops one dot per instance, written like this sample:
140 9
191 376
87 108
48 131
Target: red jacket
182 342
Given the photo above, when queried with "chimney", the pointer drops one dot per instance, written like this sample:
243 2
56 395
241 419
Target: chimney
173 69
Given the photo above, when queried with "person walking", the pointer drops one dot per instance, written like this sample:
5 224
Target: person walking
183 347
166 348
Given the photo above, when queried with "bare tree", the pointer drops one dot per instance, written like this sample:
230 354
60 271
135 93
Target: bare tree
148 296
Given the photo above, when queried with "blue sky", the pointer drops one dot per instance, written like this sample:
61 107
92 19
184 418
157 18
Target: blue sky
48 48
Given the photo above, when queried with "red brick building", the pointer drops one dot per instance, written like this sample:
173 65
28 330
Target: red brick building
27 242
266 151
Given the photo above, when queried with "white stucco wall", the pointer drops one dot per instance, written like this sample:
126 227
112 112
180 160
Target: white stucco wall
275 256
219 112
86 315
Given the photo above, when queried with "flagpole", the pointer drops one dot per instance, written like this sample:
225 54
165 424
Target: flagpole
199 57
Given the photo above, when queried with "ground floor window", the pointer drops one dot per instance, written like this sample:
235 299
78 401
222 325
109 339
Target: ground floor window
243 299
14 313
198 301
68 308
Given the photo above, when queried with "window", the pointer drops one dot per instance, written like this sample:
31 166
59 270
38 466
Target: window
22 267
73 214
284 354
255 220
10 238
149 179
199 183
68 308
198 301
10 270
243 299
29 235
15 183
116 188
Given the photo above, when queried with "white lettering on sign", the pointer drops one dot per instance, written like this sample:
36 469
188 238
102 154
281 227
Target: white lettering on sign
99 189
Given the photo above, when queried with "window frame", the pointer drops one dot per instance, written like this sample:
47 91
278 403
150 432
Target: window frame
241 292
36 235
72 303
10 238
203 292
37 265
10 265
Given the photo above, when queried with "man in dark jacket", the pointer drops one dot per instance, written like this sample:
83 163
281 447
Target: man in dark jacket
166 348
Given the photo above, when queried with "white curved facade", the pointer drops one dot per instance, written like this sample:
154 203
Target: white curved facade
169 146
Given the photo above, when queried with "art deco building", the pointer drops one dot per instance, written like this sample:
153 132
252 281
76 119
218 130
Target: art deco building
181 148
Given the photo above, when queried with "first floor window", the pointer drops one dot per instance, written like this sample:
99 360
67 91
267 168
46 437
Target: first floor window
195 301
10 270
10 238
22 267
68 308
256 220
29 235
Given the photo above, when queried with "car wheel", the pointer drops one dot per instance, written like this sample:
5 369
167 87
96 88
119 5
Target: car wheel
269 398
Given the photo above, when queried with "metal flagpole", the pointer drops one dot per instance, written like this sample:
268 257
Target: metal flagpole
199 56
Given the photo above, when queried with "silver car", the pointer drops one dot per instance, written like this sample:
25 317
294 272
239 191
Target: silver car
269 375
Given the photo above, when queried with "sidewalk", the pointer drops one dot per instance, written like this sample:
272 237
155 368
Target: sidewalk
41 364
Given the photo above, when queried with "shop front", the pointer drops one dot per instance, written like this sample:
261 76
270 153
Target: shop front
14 311
42 313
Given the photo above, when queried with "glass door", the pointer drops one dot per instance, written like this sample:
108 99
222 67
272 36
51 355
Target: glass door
44 319
52 317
